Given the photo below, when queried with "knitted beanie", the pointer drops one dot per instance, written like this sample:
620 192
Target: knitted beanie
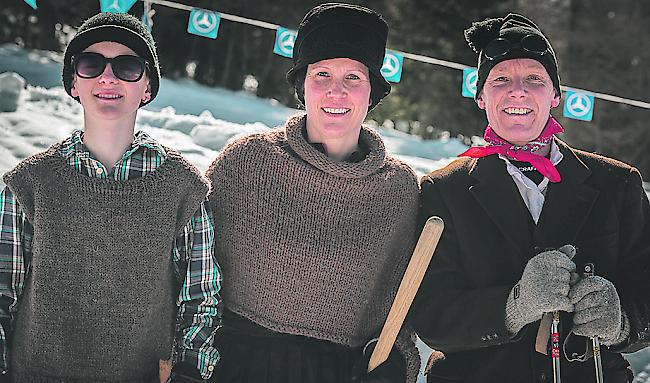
512 28
336 30
120 28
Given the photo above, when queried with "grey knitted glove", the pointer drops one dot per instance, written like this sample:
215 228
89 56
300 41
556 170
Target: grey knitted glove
597 310
544 287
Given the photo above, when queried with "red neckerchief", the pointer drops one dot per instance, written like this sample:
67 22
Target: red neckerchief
497 145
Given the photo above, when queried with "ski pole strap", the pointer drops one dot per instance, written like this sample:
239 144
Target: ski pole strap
411 281
543 334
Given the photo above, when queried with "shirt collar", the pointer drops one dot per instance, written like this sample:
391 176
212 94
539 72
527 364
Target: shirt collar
356 156
556 157
74 145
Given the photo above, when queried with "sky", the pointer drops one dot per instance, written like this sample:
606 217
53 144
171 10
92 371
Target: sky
35 112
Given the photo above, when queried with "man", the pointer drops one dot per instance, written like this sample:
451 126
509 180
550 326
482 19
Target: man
107 271
525 216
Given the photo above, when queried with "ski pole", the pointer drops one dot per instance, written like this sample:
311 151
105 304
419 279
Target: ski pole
555 333
555 346
411 281
589 271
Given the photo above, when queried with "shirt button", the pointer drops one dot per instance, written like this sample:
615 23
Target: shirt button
210 368
99 171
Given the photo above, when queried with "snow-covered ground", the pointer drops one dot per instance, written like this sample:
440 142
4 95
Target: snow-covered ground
196 120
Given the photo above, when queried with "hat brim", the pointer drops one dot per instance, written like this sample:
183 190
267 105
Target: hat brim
380 86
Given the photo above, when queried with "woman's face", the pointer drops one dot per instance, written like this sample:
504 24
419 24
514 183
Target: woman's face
337 97
517 98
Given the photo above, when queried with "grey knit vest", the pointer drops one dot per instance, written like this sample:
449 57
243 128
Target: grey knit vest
99 299
309 246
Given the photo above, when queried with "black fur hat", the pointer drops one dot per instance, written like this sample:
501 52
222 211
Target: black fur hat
117 27
513 28
335 30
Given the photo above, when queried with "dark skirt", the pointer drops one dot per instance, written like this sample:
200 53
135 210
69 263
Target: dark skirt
253 354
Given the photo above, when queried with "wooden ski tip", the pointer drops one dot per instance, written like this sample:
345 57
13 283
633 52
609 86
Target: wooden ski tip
435 220
417 266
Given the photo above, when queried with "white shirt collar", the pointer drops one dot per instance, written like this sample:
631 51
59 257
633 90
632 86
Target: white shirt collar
555 157
532 194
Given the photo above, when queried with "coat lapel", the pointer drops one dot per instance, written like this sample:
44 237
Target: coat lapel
498 195
567 204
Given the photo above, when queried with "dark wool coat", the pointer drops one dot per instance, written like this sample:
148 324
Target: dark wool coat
599 206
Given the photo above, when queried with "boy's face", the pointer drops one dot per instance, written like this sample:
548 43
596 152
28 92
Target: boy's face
107 97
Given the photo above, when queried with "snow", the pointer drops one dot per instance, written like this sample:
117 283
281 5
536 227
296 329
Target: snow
35 112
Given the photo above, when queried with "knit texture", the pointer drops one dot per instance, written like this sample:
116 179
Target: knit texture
335 30
309 246
597 310
543 288
99 301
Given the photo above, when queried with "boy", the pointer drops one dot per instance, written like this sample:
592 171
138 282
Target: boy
106 269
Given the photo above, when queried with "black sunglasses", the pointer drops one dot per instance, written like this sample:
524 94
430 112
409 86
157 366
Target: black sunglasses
530 43
125 67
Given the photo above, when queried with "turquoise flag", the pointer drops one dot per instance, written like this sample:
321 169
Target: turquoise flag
204 23
284 39
470 75
579 106
392 68
116 6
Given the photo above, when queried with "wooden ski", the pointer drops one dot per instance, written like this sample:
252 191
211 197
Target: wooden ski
411 281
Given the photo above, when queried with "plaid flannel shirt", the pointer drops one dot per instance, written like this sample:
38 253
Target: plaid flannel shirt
199 313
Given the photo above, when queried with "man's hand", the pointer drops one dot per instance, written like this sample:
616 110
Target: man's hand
544 287
597 309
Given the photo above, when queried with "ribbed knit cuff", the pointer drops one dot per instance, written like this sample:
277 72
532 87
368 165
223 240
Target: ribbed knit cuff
623 335
514 320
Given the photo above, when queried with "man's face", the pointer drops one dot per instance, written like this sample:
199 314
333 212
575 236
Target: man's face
517 98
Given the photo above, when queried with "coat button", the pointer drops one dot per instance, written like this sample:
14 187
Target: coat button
541 377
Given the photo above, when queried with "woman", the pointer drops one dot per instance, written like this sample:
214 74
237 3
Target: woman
315 222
